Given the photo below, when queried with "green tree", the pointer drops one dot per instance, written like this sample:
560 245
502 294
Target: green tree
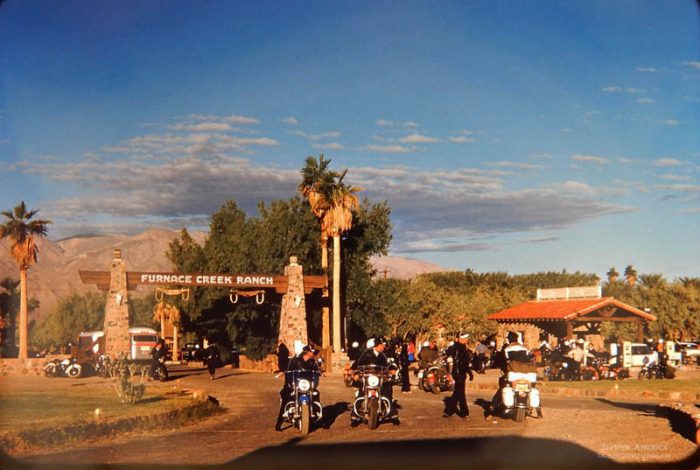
10 296
22 232
72 315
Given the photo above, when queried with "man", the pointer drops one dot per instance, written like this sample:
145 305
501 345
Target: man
304 361
513 352
457 403
427 355
374 356
480 361
282 357
158 354
579 356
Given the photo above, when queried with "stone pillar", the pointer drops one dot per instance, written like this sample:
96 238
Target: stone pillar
117 309
293 315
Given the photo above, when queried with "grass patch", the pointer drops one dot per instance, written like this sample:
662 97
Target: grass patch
631 385
35 415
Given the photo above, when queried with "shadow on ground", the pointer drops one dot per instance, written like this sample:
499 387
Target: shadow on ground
482 452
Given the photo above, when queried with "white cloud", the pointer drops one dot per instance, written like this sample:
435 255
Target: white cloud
645 101
690 210
388 148
315 137
328 146
202 127
646 69
241 119
692 64
410 124
671 122
672 177
684 188
540 156
418 139
291 120
462 139
630 90
666 162
517 165
589 159
612 89
384 123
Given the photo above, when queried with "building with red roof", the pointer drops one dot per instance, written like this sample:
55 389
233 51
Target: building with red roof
568 313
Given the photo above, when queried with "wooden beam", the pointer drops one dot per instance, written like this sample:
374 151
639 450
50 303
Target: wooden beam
613 319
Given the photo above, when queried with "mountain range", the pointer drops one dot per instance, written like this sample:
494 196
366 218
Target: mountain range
55 276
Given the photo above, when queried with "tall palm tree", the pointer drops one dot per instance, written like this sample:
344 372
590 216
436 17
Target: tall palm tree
337 221
317 187
21 230
612 275
630 275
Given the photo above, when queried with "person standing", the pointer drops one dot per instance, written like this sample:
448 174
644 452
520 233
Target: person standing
404 362
457 403
212 359
282 357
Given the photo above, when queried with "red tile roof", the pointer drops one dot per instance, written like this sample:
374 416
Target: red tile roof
562 309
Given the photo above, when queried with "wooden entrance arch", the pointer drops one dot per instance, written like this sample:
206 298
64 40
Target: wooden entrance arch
293 286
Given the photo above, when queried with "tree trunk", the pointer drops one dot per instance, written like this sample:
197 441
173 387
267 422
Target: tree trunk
336 294
23 314
326 315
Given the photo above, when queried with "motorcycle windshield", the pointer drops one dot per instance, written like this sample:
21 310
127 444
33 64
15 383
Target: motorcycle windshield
293 376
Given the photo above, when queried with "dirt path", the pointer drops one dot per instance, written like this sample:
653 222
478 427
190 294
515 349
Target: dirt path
574 430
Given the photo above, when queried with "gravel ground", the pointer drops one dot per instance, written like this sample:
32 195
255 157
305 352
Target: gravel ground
574 432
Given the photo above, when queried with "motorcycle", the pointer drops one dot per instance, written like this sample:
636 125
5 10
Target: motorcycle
654 370
158 371
63 368
436 378
305 406
371 406
519 396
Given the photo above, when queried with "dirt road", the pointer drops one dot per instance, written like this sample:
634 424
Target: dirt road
576 431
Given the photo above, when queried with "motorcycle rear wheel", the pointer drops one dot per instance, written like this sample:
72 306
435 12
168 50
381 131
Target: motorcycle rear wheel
435 388
305 420
373 413
519 414
74 371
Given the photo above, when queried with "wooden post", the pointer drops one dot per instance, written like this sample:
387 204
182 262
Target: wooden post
640 332
569 330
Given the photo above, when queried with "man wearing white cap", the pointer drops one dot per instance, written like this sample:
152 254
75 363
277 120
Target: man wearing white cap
457 403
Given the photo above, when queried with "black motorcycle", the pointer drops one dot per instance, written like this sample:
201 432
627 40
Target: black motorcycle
654 370
305 406
371 406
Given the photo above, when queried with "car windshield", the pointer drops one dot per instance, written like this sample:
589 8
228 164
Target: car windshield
145 338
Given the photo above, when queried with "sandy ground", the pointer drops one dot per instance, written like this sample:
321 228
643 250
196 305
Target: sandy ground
574 431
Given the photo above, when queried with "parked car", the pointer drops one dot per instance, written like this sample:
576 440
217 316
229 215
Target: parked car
192 352
690 352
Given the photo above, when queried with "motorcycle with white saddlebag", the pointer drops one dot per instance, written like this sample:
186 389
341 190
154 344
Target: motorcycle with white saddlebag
304 408
519 396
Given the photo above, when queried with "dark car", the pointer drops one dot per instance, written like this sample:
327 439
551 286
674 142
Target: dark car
192 352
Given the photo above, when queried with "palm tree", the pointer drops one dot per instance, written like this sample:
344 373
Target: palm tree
631 275
317 187
21 230
612 275
337 221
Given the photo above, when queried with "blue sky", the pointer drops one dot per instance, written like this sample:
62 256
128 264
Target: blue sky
515 136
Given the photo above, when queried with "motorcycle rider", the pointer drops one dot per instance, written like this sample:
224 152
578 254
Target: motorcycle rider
374 356
427 355
304 361
511 353
457 403
158 354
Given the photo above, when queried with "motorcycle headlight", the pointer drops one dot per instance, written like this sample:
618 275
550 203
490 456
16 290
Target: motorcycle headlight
372 380
304 385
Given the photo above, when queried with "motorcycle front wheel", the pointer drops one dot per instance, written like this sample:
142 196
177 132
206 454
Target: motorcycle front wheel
373 413
50 370
73 371
305 420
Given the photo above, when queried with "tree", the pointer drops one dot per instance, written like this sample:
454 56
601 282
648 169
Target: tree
22 230
337 221
612 275
72 315
9 308
630 275
317 187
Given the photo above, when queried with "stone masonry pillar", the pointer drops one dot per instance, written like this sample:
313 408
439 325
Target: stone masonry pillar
116 326
293 315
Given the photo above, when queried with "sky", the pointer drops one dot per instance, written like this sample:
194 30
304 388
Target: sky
505 135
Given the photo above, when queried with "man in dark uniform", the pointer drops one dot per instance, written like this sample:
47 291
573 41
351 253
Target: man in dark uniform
457 403
158 354
375 356
304 361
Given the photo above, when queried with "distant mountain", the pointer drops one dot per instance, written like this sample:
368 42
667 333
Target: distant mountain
56 274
